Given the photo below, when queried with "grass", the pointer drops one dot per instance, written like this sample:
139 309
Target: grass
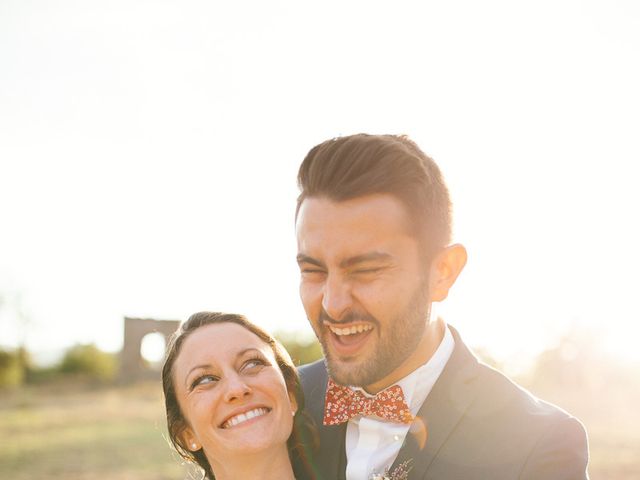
118 433
107 433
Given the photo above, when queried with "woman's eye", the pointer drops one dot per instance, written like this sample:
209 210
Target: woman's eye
204 380
253 364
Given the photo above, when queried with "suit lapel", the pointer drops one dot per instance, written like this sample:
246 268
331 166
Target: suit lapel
331 460
445 405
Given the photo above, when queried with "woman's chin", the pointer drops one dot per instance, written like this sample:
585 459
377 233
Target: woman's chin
257 435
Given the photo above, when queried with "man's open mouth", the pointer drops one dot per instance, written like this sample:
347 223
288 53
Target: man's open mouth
350 335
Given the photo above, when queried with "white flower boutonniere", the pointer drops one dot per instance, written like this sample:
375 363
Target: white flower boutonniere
401 472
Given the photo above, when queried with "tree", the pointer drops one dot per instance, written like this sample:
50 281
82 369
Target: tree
302 349
90 362
12 370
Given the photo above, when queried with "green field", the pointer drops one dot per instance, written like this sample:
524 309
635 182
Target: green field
97 434
118 433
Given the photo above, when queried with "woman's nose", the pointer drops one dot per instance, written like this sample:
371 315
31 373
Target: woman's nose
236 389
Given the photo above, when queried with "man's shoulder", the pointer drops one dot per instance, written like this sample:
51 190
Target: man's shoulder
496 393
510 428
553 439
510 409
313 377
310 368
500 393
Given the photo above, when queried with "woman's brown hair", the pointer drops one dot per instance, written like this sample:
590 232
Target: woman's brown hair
301 437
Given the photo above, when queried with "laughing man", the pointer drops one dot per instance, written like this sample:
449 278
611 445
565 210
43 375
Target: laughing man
398 390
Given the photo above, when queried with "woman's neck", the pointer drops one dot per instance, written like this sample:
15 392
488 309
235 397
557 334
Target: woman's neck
268 465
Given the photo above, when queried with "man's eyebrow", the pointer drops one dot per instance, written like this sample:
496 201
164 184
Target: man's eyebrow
365 257
348 262
302 258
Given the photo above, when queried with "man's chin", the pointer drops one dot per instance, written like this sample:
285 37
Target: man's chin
341 377
349 366
347 371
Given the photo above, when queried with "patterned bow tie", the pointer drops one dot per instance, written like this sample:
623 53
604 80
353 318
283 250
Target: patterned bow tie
343 403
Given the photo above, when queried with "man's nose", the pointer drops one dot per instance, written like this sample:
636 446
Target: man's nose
336 297
236 388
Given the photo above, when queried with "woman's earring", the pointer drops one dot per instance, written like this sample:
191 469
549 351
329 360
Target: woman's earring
194 446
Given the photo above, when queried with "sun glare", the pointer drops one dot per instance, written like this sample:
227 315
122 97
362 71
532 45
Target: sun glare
152 348
622 343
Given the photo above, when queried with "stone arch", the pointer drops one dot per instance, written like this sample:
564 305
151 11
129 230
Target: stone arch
132 365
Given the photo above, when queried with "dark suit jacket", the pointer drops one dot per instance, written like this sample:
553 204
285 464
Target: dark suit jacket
475 424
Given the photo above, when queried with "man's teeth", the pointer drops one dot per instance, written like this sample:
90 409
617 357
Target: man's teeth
243 417
350 330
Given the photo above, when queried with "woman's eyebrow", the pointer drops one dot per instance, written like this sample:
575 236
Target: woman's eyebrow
197 367
208 365
245 350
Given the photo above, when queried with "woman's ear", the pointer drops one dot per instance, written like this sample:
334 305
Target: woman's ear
188 440
293 402
445 268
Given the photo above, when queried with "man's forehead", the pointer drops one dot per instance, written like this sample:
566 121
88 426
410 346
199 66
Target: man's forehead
344 233
377 211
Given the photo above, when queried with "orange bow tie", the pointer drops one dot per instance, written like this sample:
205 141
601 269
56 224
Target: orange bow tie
343 403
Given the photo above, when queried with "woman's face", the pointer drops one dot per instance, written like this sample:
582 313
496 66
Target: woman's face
231 392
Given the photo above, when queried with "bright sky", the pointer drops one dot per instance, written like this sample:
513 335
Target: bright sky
148 153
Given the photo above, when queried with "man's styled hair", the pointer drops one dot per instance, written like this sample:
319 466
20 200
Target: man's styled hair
349 167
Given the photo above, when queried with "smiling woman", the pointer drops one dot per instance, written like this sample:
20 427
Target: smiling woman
233 399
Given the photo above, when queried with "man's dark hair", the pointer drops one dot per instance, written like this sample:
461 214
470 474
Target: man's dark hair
345 168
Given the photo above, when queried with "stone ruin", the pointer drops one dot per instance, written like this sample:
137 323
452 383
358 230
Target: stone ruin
132 366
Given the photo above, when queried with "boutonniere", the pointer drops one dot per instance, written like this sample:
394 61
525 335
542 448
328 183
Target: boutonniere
401 472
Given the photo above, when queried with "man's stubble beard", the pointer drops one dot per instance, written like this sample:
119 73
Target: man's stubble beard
395 345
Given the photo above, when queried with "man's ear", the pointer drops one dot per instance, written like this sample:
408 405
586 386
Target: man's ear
445 268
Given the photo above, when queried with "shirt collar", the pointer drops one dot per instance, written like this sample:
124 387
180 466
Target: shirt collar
417 385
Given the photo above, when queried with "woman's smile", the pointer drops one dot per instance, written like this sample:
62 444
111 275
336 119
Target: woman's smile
243 418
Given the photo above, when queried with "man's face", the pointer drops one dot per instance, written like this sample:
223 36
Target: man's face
363 285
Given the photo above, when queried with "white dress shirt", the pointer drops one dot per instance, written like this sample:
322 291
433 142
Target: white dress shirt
372 444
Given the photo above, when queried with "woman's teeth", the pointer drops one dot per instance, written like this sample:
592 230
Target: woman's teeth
350 330
243 417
